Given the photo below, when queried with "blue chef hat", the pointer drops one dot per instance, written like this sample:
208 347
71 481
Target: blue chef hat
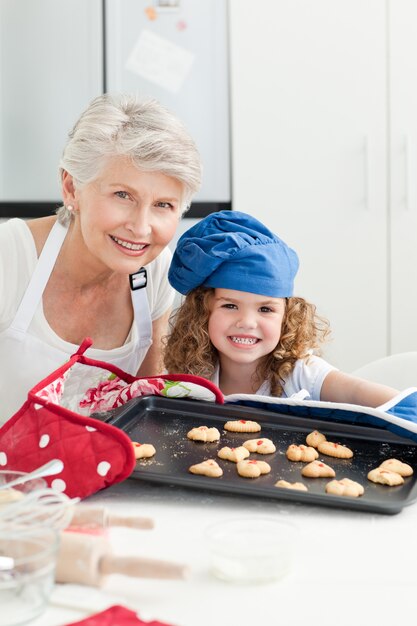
233 250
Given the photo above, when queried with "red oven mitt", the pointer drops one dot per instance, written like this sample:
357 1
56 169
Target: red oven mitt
95 454
116 616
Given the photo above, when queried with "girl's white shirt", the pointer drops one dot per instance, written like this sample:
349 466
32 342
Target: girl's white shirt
306 378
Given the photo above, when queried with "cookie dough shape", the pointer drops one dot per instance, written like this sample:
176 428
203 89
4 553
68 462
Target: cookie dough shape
385 477
204 434
242 426
394 465
249 468
233 454
314 438
301 453
317 469
284 484
345 487
143 450
208 468
262 446
335 449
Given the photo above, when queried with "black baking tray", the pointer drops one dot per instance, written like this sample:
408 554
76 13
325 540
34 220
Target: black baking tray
164 422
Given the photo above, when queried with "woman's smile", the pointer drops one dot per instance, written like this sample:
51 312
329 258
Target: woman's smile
129 247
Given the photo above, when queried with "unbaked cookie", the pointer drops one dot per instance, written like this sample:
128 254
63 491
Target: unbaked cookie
385 477
204 434
313 439
233 454
335 449
252 469
242 426
394 465
345 487
143 450
262 446
208 468
286 485
317 469
301 453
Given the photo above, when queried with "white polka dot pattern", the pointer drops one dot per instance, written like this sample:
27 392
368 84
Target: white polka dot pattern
44 440
103 468
91 429
3 458
58 484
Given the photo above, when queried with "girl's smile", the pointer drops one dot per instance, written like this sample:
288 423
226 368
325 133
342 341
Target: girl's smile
243 341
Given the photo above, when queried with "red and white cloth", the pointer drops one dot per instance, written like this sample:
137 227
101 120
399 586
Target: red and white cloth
50 425
116 616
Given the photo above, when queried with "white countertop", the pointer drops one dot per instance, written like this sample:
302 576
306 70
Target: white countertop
350 568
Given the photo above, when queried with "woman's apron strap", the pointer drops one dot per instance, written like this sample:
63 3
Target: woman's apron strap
40 277
143 318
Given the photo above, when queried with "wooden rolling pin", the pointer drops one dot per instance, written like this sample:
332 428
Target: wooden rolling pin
87 559
93 517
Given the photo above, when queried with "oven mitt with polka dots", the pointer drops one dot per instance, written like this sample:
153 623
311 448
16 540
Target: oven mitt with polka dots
95 455
48 426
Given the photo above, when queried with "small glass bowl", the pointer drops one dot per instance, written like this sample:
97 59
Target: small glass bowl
27 573
251 549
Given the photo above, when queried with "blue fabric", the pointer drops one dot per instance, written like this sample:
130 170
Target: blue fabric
406 409
233 250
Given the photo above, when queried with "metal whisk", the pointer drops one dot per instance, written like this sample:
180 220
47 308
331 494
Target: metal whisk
40 508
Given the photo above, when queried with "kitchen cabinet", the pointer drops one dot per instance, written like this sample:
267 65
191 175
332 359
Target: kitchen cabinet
148 56
403 179
51 66
323 101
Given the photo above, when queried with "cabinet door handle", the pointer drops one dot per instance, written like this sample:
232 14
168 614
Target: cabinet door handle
409 185
366 173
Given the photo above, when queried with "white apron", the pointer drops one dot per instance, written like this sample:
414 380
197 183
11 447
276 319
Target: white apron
25 359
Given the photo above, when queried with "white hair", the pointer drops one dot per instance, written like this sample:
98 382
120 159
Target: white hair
138 128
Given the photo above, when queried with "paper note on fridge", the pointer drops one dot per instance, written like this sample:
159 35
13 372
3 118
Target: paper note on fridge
160 61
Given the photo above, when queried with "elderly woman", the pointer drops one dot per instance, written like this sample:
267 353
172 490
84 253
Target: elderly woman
98 269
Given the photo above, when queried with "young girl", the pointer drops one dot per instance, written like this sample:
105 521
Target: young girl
240 325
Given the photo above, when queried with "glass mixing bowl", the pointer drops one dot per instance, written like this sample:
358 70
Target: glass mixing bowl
27 573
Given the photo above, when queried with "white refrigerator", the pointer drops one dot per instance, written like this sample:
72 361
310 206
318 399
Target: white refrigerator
56 55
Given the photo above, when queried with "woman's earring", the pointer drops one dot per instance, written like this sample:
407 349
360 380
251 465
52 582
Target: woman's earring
70 207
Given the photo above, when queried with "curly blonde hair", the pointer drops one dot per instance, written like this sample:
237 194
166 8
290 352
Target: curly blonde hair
188 349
